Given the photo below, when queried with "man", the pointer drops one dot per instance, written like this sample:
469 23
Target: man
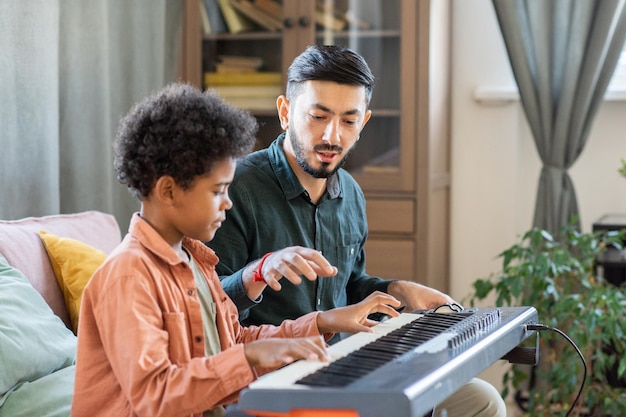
297 213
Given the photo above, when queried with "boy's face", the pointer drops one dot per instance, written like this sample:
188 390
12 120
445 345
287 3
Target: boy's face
323 124
201 209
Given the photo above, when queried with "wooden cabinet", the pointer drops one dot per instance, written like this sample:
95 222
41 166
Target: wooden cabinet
401 160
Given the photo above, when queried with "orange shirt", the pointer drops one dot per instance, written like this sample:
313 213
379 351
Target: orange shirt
140 336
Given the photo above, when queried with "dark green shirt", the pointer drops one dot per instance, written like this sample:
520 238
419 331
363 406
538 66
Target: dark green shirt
271 211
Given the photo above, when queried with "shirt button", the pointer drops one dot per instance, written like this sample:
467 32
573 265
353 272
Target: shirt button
351 251
198 339
190 292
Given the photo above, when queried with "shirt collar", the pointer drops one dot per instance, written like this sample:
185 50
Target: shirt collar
154 242
287 178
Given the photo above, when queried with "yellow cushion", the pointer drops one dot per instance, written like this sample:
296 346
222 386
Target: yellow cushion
74 263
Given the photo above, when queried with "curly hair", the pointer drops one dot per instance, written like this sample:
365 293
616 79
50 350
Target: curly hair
182 132
329 63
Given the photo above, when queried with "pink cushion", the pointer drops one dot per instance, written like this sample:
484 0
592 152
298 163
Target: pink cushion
22 247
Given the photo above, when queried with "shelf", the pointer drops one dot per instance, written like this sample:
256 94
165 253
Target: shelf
244 36
385 112
360 34
319 34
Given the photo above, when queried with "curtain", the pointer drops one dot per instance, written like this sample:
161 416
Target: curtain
563 54
70 69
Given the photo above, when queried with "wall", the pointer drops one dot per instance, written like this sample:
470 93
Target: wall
439 146
494 164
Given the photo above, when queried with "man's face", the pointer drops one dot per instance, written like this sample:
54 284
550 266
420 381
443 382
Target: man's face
323 125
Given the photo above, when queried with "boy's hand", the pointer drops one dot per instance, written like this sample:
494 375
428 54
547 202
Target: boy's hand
275 352
353 318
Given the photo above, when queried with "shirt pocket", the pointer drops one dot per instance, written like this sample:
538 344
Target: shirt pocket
345 256
178 342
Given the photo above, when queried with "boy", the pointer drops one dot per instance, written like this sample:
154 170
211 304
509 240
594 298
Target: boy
157 334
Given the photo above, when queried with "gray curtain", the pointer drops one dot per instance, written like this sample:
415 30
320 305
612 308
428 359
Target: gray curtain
69 70
563 54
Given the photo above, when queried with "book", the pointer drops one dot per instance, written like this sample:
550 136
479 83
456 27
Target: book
204 18
252 103
258 16
212 79
215 17
329 17
271 7
226 68
329 21
236 63
232 91
246 61
235 22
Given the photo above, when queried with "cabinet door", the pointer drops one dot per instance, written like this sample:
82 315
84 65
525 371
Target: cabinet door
391 259
381 31
398 153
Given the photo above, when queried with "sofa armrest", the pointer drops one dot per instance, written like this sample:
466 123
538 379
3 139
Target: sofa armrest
22 247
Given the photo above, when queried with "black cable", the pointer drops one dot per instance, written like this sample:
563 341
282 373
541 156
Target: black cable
582 358
456 307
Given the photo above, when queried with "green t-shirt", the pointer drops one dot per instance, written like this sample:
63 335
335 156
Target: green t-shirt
211 337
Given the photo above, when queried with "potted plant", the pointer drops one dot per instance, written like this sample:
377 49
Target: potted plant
557 275
622 169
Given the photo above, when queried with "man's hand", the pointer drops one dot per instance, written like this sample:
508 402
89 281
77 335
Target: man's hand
275 352
417 296
290 263
353 318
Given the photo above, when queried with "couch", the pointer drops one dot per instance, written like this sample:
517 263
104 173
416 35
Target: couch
44 264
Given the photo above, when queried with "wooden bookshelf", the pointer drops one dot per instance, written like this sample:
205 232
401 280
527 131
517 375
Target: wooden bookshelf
408 195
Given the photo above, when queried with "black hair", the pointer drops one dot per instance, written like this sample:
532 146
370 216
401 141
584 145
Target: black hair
329 63
179 131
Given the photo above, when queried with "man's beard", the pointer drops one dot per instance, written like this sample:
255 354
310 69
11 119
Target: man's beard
324 171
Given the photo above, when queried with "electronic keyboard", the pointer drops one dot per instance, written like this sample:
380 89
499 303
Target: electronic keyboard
404 368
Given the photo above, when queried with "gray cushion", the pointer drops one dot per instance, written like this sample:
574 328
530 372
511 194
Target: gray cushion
34 342
49 396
